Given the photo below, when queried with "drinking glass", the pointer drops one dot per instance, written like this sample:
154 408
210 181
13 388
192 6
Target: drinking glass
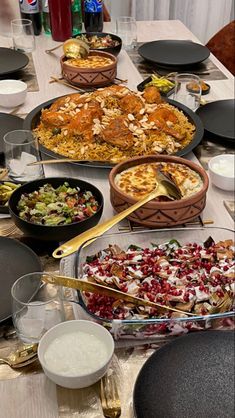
188 90
21 149
23 35
127 30
36 306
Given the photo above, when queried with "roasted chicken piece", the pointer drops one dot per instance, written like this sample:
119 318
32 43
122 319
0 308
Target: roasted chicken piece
165 119
118 134
75 98
152 95
54 119
131 104
82 123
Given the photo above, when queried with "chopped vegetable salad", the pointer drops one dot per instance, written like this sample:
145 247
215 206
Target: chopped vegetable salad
57 206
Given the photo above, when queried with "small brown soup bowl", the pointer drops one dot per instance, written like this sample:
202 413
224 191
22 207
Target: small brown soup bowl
158 214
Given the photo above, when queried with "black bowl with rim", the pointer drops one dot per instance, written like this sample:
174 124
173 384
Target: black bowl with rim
57 232
111 49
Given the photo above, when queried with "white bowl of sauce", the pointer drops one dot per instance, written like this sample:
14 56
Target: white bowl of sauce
12 93
76 354
221 170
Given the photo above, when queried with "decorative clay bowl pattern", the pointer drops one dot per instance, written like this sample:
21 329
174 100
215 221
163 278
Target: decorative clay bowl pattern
90 77
159 214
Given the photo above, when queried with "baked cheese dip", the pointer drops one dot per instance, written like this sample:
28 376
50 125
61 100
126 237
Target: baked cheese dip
140 180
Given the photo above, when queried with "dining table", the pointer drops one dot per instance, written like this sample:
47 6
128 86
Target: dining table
29 393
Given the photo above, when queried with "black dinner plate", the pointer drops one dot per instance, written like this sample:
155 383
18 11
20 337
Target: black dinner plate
16 259
191 377
174 53
218 119
11 61
33 118
8 123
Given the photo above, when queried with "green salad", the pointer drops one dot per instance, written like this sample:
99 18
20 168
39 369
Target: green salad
57 206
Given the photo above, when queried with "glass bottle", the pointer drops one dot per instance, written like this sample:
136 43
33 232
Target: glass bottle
93 15
76 16
46 17
31 10
61 19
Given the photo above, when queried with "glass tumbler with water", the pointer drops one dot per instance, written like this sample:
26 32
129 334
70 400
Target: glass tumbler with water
188 90
126 28
21 149
36 306
23 35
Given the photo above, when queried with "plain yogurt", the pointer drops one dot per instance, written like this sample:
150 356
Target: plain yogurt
225 167
75 354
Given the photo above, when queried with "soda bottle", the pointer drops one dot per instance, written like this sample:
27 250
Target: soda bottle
30 9
76 16
46 17
93 15
61 19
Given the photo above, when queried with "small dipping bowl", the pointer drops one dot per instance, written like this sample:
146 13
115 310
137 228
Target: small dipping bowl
12 93
221 171
67 339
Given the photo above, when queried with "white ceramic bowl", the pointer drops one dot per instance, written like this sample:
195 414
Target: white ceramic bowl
12 93
77 381
221 170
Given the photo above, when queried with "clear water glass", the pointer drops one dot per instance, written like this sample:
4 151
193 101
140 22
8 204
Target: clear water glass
126 29
23 35
21 148
36 306
188 90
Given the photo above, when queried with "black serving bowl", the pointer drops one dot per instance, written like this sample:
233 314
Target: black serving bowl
57 232
112 49
141 87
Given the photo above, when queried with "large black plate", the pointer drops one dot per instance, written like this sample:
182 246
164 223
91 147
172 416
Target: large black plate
16 259
11 61
218 119
192 377
8 123
174 53
33 118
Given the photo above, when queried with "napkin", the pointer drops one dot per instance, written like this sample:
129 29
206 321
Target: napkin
29 396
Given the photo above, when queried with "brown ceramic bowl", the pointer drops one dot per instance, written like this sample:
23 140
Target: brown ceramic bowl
90 77
159 214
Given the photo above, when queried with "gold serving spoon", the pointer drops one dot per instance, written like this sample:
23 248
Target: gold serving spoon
165 187
25 355
92 287
69 160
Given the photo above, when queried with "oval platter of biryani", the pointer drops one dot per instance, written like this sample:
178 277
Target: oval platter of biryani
112 124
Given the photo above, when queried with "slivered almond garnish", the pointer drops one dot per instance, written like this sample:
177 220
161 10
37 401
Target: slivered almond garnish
130 116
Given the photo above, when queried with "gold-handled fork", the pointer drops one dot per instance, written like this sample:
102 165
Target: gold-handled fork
110 401
8 230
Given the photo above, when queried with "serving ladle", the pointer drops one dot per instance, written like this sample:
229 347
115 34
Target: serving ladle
25 355
165 187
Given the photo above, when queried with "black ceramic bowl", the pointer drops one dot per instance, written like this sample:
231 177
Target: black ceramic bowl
60 232
112 49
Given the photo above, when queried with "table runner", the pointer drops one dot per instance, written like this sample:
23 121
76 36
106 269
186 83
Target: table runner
206 70
27 74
